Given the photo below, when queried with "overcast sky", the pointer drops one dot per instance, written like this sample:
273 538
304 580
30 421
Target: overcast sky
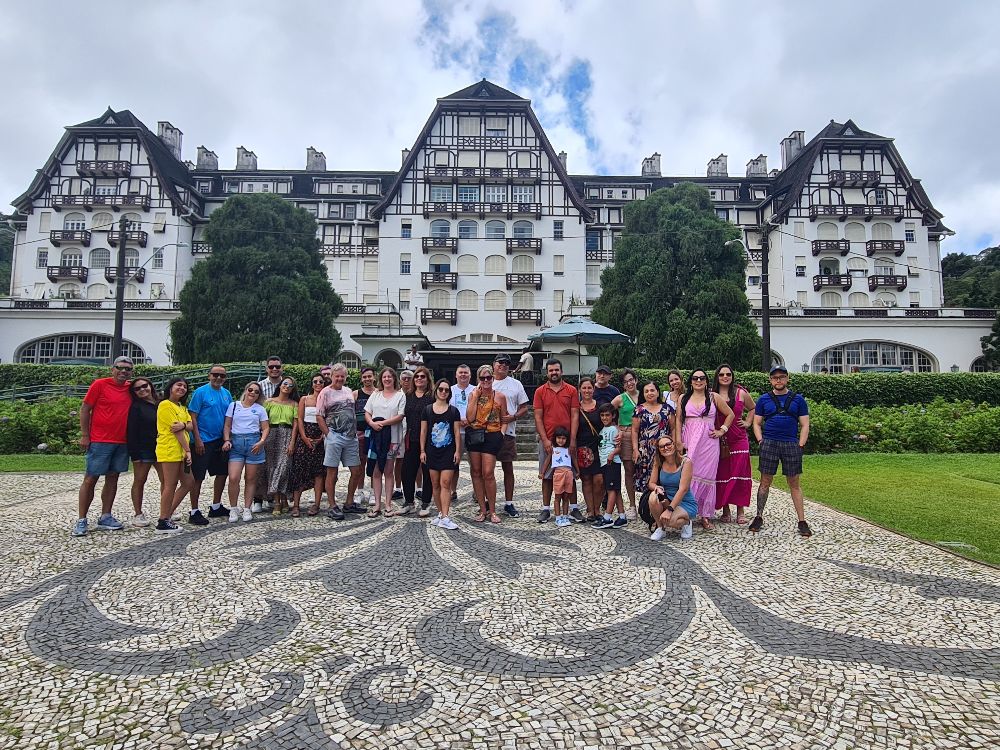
357 80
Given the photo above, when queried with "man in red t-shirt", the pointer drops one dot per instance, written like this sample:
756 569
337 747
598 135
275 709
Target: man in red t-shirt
103 417
556 404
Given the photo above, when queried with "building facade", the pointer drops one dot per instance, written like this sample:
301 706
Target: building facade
481 238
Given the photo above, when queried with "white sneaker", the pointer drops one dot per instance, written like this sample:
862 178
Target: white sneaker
268 506
687 530
447 523
140 521
257 508
658 534
234 515
247 515
424 512
436 522
630 514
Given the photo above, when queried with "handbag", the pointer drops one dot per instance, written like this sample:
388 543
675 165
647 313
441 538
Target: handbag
584 457
475 437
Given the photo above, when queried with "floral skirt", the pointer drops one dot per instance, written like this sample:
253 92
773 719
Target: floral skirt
307 464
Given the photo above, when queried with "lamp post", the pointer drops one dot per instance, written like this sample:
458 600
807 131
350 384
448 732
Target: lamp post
116 339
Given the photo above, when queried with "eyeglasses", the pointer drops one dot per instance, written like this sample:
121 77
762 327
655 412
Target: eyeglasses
274 367
661 446
123 368
217 375
695 378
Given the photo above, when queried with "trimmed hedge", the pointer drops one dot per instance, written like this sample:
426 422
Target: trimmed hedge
938 427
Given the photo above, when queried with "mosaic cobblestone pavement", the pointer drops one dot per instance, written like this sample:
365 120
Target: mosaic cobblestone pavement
306 633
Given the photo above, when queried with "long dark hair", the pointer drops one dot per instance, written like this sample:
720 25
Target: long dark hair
152 389
170 385
687 395
733 388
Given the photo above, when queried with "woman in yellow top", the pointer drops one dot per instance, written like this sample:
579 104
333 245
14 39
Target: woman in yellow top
173 451
282 409
483 439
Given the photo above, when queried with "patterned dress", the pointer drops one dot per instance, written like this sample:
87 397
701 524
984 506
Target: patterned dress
652 426
307 464
703 450
733 477
282 419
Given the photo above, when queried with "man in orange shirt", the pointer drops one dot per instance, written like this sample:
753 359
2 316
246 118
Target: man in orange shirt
556 404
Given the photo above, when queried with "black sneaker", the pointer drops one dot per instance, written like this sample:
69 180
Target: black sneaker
397 495
576 516
511 511
603 523
335 514
756 523
197 519
221 512
544 515
804 529
167 527
419 494
354 508
620 521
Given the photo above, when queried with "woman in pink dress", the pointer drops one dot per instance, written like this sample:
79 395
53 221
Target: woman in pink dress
696 426
732 481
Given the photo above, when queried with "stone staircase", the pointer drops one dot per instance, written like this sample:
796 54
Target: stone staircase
527 440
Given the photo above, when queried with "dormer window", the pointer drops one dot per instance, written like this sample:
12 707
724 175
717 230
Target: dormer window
340 188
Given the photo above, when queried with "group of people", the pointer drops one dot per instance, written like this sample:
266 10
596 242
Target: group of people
684 453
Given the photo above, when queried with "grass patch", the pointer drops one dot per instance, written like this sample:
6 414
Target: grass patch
41 462
933 497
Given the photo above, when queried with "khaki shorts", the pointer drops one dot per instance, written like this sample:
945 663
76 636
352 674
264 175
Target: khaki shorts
508 451
625 449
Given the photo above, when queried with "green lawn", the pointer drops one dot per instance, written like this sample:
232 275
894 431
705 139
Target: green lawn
933 497
41 462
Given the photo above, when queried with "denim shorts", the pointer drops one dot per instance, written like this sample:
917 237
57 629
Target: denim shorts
107 458
240 452
144 457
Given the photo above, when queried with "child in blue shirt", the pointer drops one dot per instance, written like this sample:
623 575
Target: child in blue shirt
611 470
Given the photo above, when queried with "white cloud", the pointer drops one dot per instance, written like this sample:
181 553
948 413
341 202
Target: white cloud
357 80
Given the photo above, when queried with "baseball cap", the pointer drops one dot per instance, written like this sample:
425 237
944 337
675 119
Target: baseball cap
604 368
778 368
502 358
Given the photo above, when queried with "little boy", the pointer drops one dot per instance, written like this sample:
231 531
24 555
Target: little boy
563 478
611 470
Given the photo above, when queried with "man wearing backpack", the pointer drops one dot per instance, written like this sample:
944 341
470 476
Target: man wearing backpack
781 425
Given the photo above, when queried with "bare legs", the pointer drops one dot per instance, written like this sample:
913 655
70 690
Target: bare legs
250 483
108 492
378 479
140 473
443 483
484 484
170 493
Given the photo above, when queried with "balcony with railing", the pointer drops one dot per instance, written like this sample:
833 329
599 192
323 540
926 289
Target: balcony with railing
854 178
520 175
337 250
879 281
523 315
132 237
442 314
600 256
439 278
881 247
841 280
856 210
524 244
200 247
131 272
353 310
823 247
103 168
70 236
89 202
482 209
439 244
57 273
524 279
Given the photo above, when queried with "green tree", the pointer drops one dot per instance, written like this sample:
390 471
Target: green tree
262 291
972 281
6 256
677 287
991 346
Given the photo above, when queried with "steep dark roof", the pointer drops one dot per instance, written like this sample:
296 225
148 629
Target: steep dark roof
484 90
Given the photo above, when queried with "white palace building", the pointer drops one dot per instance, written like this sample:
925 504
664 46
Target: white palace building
482 238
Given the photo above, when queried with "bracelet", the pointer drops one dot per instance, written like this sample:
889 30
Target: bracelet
725 428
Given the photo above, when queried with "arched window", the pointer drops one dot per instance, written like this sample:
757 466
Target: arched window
524 299
468 265
67 345
496 265
71 258
69 291
881 231
439 298
440 228
858 299
131 257
134 222
885 267
523 229
523 264
103 222
830 299
495 230
131 291
440 263
73 222
857 266
496 300
350 359
97 291
100 257
468 230
886 299
468 300
873 355
827 230
979 365
829 266
855 231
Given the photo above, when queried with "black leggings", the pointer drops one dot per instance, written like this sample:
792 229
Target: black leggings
411 465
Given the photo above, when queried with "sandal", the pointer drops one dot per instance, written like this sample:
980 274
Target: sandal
494 518
389 512
374 513
740 518
313 510
726 518
480 518
296 512
707 525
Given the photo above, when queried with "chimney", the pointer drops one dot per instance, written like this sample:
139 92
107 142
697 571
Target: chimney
207 159
791 146
406 153
719 166
189 165
562 159
757 167
651 166
315 160
774 173
246 161
171 137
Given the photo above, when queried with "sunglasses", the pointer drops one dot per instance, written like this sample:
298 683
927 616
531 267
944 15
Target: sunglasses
253 391
274 367
665 445
420 377
141 387
725 374
695 378
444 389
486 377
319 382
217 375
287 384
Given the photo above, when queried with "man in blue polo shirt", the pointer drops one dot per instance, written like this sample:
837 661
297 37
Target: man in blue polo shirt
781 425
208 414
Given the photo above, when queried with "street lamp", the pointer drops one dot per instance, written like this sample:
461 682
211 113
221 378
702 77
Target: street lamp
116 339
765 299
